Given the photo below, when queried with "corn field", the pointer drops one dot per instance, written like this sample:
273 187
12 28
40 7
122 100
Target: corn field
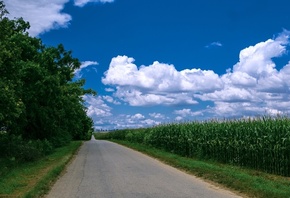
261 143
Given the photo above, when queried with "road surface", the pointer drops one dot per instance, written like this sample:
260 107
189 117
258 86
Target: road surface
104 169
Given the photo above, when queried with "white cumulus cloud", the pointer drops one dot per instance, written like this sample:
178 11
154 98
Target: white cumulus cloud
255 82
96 107
44 15
159 77
158 83
41 14
256 60
138 116
187 112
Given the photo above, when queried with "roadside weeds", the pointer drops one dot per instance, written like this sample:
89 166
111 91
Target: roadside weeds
34 179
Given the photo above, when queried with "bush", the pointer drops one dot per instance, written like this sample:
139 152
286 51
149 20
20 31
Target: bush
17 149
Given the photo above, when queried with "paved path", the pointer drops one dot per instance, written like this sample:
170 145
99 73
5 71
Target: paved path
107 170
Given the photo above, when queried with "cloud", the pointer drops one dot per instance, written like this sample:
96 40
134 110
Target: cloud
109 90
140 120
42 15
254 83
157 115
84 64
214 44
96 107
256 61
237 110
82 3
230 94
137 116
159 77
123 121
111 100
187 112
157 84
150 122
104 119
183 112
179 118
138 98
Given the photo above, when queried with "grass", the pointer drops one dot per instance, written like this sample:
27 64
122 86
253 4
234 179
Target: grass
248 183
35 178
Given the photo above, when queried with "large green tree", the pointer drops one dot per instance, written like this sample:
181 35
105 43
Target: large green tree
38 97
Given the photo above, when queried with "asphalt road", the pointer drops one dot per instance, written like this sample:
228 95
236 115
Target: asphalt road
103 169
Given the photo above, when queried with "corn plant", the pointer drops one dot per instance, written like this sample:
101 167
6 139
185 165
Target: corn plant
260 143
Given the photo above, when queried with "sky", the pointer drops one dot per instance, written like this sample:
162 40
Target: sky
162 61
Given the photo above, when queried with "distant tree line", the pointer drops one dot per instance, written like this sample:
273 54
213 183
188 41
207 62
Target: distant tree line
41 106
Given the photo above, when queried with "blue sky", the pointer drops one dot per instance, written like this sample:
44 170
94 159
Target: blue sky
162 61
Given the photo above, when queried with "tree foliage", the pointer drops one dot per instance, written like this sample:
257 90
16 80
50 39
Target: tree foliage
39 100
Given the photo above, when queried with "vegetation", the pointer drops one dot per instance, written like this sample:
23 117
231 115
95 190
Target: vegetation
33 179
260 144
247 182
41 105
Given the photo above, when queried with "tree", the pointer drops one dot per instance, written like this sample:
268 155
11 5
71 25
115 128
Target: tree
38 97
11 105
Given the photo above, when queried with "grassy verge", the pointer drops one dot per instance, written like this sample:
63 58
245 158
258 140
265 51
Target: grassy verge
34 179
246 182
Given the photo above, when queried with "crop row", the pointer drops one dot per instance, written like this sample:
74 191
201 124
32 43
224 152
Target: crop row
261 143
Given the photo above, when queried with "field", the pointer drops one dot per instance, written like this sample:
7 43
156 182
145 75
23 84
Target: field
260 144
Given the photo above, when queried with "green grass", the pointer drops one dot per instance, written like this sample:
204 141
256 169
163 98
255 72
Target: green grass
35 178
244 181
